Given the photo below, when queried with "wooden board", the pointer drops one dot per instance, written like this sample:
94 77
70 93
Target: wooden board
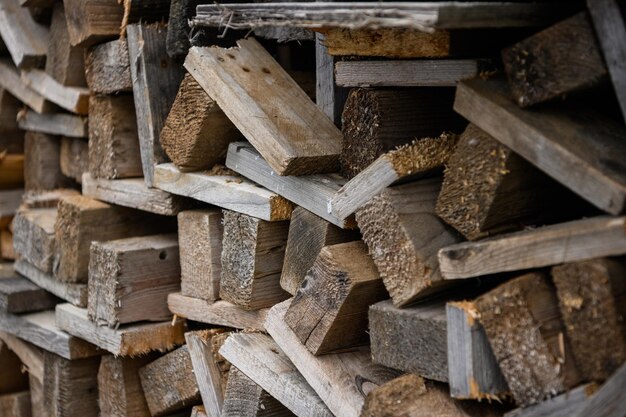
169 383
107 68
10 200
608 21
113 141
564 405
119 388
226 191
329 311
252 259
64 62
42 167
16 404
12 378
40 330
555 141
473 372
607 402
73 99
200 242
418 73
421 158
422 16
156 79
93 21
74 158
260 358
341 380
11 81
19 295
54 123
30 356
246 80
129 279
219 313
313 192
329 97
26 40
72 293
128 340
34 237
548 245
134 193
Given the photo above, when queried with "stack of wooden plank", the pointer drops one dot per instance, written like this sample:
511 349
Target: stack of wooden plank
365 209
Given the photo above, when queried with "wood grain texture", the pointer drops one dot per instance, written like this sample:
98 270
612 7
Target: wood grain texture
81 220
40 330
523 324
19 295
196 133
169 383
130 279
15 404
577 240
392 117
93 21
113 139
42 168
253 251
34 237
155 79
70 387
403 235
209 367
72 293
134 193
329 97
473 372
220 313
227 191
308 234
421 158
548 64
608 21
178 39
72 99
245 398
36 396
129 340
200 242
260 358
246 80
590 294
312 192
607 401
418 73
488 189
74 158
107 67
562 136
563 405
119 388
64 62
424 352
329 311
26 40
341 380
11 81
54 123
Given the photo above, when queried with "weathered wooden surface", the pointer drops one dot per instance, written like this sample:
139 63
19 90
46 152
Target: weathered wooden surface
54 123
227 191
260 358
74 158
130 279
12 379
134 193
608 400
26 40
10 201
19 295
34 237
196 133
329 97
119 388
16 404
246 80
72 293
311 192
169 383
64 62
220 313
11 81
577 240
73 99
155 78
42 168
308 234
329 311
30 356
93 21
107 68
200 242
128 340
252 259
339 379
564 405
403 235
560 142
113 139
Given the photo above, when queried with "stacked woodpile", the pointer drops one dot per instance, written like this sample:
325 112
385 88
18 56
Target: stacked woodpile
312 209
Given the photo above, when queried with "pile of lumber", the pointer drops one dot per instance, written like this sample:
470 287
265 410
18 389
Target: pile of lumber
312 209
